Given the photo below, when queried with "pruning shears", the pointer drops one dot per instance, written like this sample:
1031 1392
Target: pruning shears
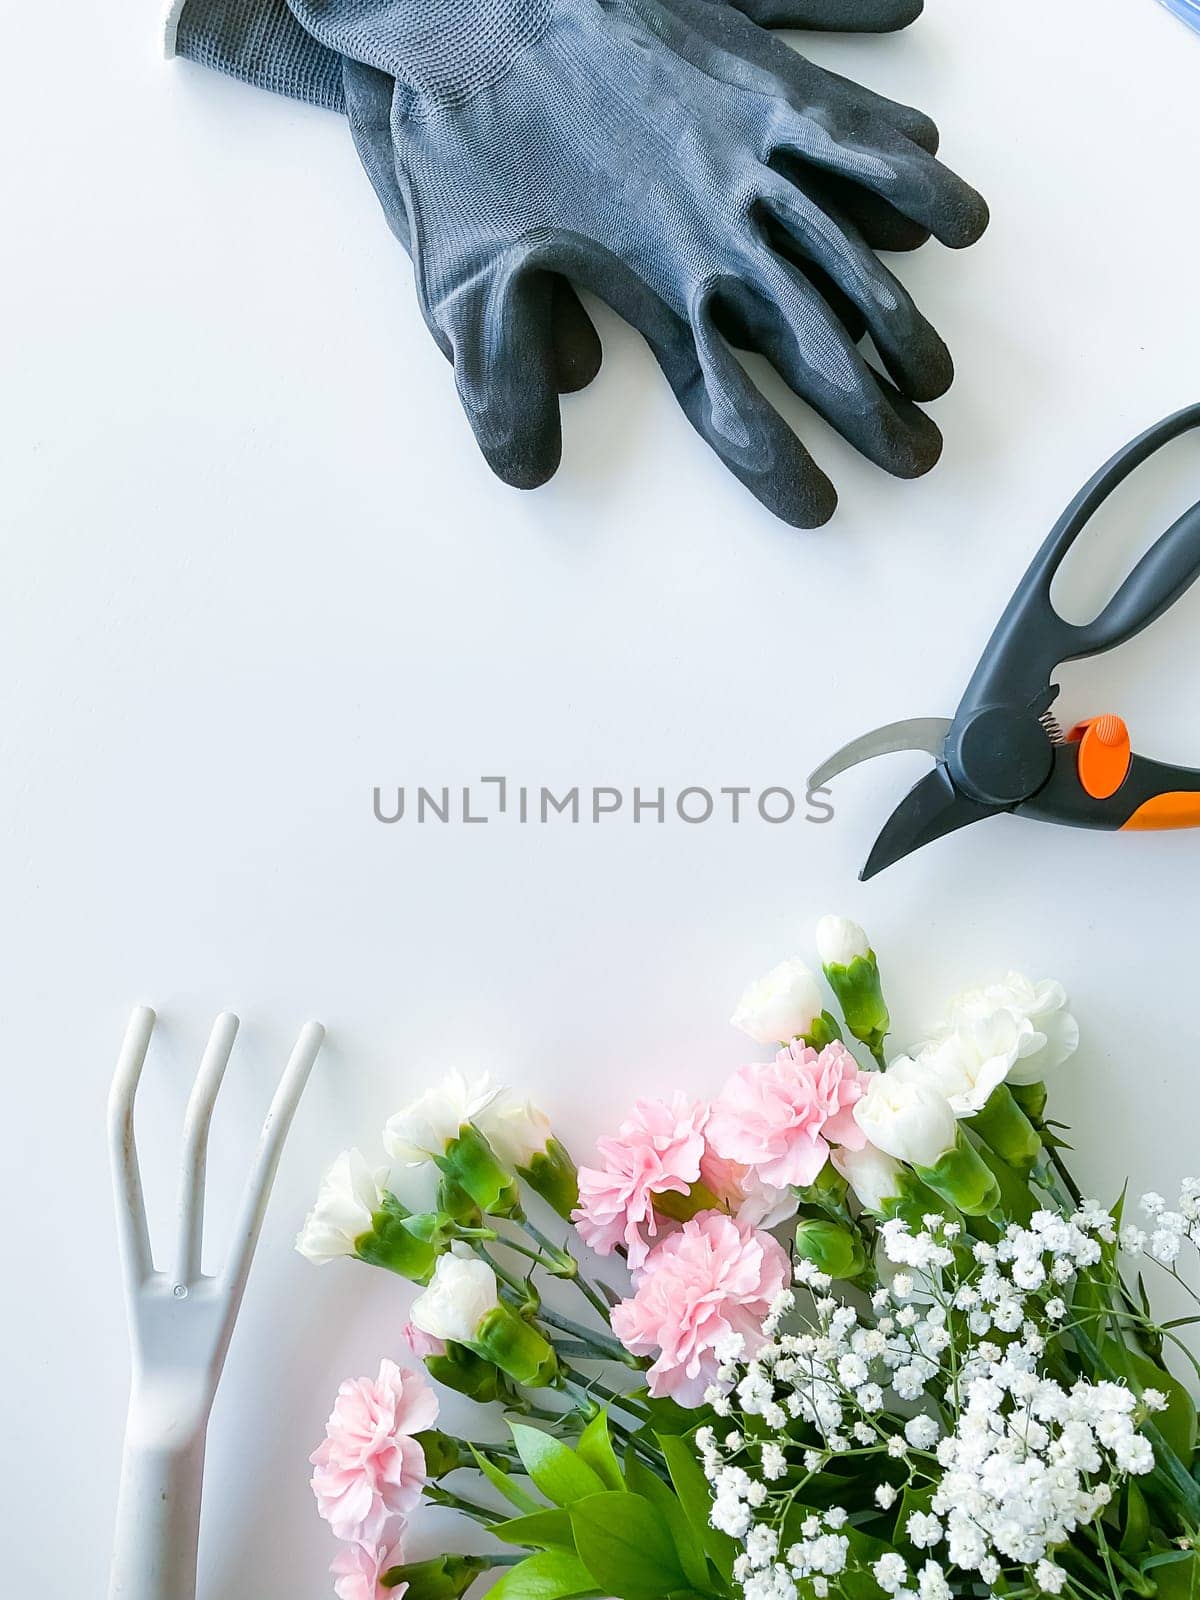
1003 750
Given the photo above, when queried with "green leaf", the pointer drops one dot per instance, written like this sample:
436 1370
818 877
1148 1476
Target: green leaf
595 1447
688 1546
696 1499
626 1546
1163 1558
1179 1579
1177 1423
668 1416
556 1469
867 1549
542 1530
1016 1197
549 1575
1144 1298
503 1484
1135 1520
1051 1140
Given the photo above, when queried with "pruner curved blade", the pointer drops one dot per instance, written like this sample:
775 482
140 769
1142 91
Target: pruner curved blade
933 808
916 733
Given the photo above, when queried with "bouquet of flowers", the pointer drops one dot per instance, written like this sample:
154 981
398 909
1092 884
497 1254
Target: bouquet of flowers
868 1340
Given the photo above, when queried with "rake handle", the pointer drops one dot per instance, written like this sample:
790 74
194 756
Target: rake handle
158 1507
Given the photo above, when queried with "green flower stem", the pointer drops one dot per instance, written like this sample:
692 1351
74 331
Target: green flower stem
445 1577
536 1256
1115 1562
572 1349
1060 1166
611 1397
1070 1559
540 1413
596 1300
519 1286
605 1347
438 1496
592 1295
626 1437
505 1453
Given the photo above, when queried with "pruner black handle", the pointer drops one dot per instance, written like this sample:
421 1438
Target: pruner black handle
1032 639
1152 796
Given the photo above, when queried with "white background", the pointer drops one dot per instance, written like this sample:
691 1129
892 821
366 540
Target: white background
253 566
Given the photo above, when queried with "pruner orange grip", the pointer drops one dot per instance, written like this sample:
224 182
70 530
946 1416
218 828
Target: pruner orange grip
1103 763
1174 810
1105 754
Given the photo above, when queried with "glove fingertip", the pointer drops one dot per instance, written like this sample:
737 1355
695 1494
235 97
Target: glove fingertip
521 442
965 221
811 505
577 353
793 487
922 130
926 378
525 468
834 16
902 14
920 451
577 363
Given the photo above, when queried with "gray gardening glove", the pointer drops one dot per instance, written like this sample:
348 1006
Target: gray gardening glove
673 158
261 43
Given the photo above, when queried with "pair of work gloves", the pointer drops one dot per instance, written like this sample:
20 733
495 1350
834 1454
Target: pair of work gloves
674 158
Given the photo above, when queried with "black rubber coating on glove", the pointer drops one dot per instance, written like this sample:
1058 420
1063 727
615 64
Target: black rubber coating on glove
677 160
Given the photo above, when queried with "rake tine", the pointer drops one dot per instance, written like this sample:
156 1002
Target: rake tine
195 1146
266 1161
132 1231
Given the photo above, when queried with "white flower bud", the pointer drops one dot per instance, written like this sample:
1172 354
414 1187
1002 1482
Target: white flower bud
909 1121
780 1006
516 1130
348 1198
840 941
424 1128
462 1292
873 1175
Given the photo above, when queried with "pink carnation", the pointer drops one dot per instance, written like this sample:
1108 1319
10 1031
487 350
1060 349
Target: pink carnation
713 1278
778 1118
657 1151
357 1569
368 1468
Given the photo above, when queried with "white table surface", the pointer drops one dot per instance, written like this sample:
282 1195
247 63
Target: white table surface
253 566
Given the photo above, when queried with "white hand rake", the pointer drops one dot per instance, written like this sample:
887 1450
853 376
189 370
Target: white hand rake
180 1321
